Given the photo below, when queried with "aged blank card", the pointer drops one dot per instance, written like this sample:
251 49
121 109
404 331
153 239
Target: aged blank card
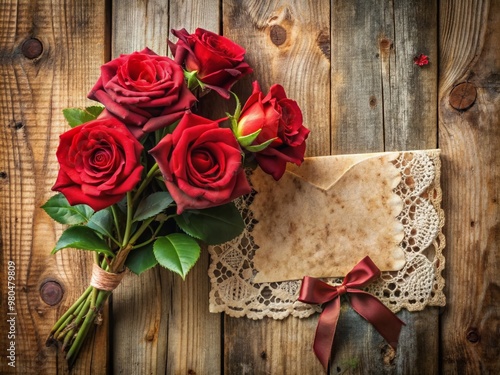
323 217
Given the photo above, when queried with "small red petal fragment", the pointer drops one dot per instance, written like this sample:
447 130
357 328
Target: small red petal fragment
421 60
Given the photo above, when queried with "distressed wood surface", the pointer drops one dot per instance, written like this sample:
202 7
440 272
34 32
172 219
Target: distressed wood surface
287 42
470 140
34 88
349 66
162 324
378 97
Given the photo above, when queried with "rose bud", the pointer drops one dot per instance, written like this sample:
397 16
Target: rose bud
216 61
99 163
271 128
201 164
144 90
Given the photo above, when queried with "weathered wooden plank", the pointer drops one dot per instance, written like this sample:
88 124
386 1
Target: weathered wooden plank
410 91
162 324
470 140
141 304
372 62
270 346
194 345
357 94
287 42
139 24
50 53
378 96
194 334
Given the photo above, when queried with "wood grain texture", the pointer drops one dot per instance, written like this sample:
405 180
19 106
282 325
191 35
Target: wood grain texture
382 101
139 24
287 42
33 93
470 140
410 91
357 94
349 66
194 335
162 324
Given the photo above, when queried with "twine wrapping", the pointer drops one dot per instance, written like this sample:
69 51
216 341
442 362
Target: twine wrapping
104 280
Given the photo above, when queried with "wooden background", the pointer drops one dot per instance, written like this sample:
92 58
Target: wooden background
349 64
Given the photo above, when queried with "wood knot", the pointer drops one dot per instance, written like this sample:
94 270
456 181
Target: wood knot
32 48
323 41
152 333
473 336
150 336
17 125
373 101
51 292
385 43
278 35
463 96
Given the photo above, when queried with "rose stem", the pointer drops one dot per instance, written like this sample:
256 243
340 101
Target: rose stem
76 323
153 237
141 229
63 330
146 181
117 223
128 226
87 323
69 324
75 305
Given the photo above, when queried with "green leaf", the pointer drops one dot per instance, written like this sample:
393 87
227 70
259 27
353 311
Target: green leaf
247 140
95 110
83 238
233 122
260 147
78 116
237 111
142 259
213 225
152 205
59 209
192 80
177 252
102 222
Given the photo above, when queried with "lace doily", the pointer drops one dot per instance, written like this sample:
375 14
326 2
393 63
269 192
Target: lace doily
418 284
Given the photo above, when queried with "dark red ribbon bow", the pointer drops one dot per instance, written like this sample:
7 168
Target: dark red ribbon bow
315 291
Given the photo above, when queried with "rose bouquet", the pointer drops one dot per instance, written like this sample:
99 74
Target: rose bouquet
143 179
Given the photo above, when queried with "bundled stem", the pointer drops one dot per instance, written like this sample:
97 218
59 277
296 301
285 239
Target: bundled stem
72 328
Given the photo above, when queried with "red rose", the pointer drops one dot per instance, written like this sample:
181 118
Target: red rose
218 61
146 91
279 119
99 163
201 164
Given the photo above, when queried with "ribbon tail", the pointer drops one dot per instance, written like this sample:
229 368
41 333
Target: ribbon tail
384 320
325 331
